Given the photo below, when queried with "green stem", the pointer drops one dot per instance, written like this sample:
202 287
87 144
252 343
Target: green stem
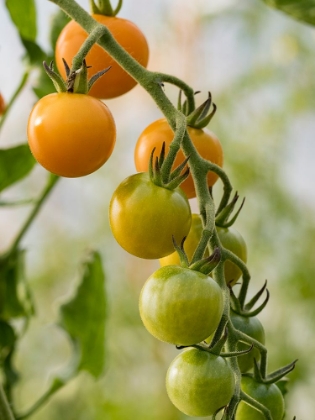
55 386
49 186
14 96
256 405
5 410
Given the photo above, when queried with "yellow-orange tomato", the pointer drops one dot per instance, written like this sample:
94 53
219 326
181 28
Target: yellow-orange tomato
206 143
116 82
71 134
2 105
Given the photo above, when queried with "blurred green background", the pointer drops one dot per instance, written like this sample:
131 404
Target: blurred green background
259 65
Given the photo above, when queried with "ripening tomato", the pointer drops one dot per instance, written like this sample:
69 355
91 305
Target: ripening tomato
252 327
206 143
199 383
71 134
180 306
144 217
2 105
267 394
116 82
232 240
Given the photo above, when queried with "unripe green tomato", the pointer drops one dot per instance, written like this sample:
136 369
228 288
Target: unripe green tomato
252 327
232 240
199 383
268 395
180 306
144 217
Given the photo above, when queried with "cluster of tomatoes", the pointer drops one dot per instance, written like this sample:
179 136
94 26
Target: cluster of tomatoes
73 134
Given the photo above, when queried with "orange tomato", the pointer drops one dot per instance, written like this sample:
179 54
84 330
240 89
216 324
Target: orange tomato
206 143
71 134
2 105
116 81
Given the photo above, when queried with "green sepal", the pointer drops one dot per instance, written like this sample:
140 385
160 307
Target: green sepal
246 310
105 8
78 80
96 76
55 78
200 117
181 252
274 376
222 219
208 264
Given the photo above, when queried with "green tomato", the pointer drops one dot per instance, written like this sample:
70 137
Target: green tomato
268 395
144 217
199 383
232 240
252 327
180 306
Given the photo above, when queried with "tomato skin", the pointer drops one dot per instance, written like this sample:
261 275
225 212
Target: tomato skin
252 327
199 383
71 134
2 105
268 395
116 82
206 143
190 244
180 306
143 217
232 240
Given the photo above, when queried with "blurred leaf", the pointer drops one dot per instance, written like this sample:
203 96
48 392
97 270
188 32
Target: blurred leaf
15 164
15 299
58 22
34 54
302 10
83 318
23 15
7 335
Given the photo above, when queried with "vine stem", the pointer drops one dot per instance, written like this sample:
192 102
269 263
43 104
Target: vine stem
5 410
46 191
14 96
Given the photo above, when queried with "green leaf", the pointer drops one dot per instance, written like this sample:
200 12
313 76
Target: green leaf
23 15
34 54
7 336
15 298
58 22
83 318
15 164
302 10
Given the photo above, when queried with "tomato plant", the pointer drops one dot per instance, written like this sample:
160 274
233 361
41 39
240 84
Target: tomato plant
252 327
232 240
180 306
199 383
117 81
159 132
70 134
267 394
144 216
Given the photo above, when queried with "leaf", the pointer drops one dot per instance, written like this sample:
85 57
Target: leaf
83 318
23 15
34 54
15 298
7 335
15 164
58 22
302 10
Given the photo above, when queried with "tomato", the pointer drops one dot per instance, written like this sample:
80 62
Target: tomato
180 306
206 143
71 134
252 327
268 395
232 240
190 244
143 217
116 82
199 383
2 105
